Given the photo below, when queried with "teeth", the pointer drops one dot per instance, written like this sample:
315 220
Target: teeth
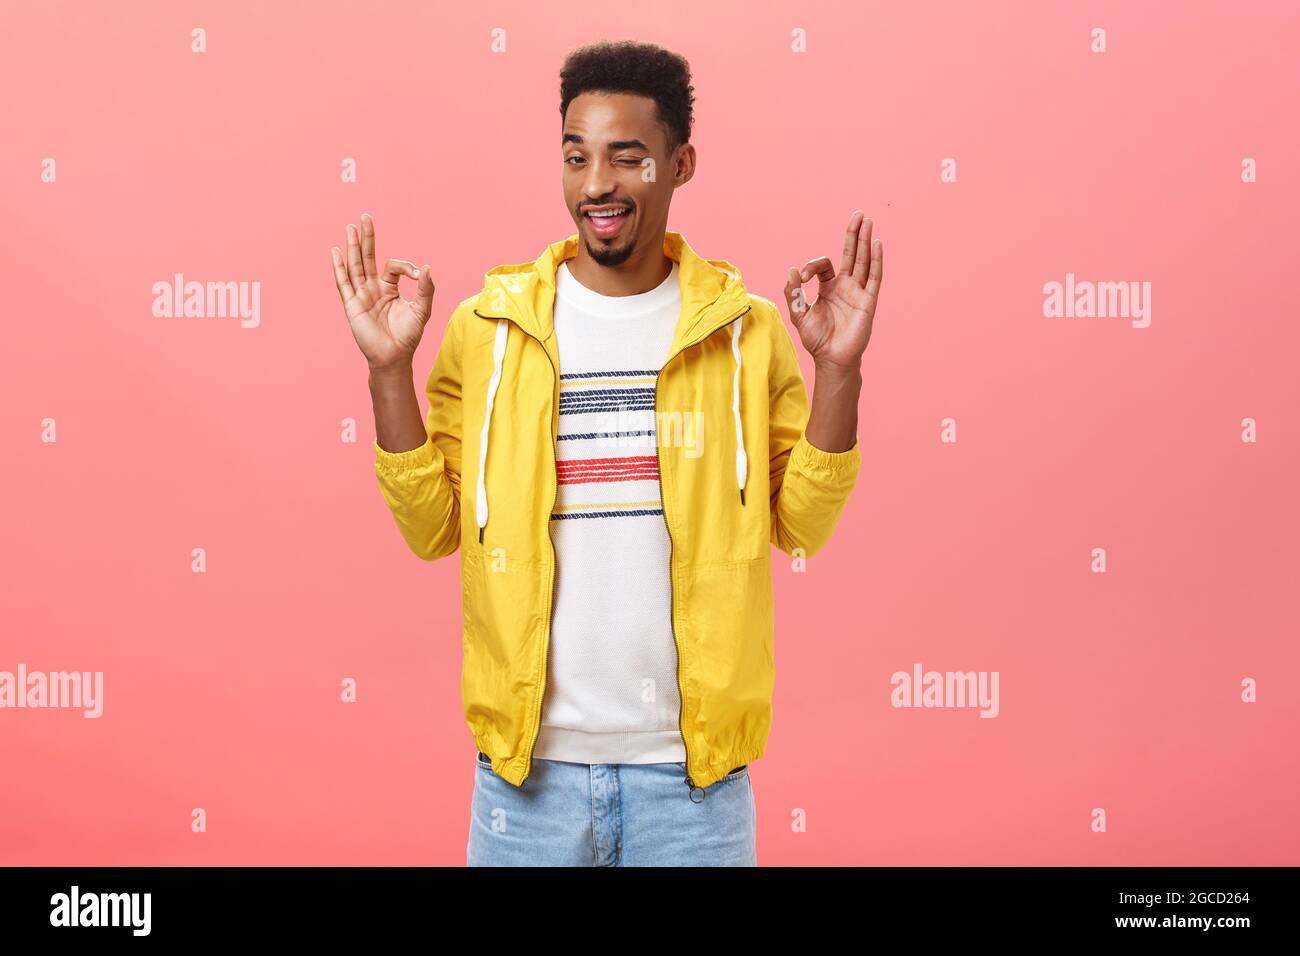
606 215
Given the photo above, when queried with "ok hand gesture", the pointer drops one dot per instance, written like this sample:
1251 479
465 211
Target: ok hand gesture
386 326
836 328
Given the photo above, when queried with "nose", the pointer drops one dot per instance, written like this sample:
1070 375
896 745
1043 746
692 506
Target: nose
599 182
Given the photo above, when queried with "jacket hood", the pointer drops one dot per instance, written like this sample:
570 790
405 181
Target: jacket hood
525 292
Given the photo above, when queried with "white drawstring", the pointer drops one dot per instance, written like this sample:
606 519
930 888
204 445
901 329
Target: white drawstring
498 353
742 462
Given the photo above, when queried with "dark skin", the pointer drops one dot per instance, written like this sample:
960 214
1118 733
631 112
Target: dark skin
615 152
611 144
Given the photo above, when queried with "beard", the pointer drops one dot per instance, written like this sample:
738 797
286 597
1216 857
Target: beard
607 256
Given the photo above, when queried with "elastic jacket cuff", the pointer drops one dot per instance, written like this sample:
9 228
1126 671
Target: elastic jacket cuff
398 462
809 457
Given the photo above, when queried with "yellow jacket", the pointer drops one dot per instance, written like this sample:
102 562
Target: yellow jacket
492 422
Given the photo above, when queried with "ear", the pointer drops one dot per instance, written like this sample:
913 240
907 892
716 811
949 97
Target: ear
683 164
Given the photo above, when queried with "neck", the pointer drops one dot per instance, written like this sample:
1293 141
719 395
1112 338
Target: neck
644 270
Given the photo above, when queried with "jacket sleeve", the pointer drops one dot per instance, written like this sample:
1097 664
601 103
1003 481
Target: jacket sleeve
422 486
809 486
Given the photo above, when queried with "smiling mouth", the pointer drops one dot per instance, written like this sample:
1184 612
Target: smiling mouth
612 213
606 222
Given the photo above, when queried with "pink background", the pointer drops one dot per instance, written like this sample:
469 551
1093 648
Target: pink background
1119 691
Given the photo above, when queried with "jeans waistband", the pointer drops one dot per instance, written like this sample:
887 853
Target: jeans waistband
484 757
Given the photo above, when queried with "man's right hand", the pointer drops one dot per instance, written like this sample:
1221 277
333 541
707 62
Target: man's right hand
386 326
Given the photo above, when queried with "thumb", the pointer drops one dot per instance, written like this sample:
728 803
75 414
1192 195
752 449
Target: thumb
794 296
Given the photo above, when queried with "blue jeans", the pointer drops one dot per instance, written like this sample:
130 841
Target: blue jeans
610 814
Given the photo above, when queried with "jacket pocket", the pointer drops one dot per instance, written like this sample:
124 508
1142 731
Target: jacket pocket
504 599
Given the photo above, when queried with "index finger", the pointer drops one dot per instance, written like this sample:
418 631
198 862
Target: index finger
820 267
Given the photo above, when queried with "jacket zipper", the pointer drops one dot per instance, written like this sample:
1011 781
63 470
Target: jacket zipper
663 504
550 610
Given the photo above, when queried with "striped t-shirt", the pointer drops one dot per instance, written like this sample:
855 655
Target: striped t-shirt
611 687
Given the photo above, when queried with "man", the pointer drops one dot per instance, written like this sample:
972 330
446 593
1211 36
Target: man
594 444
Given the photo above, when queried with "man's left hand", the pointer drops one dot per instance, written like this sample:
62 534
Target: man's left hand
836 328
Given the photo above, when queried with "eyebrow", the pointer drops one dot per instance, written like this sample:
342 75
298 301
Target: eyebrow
615 144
